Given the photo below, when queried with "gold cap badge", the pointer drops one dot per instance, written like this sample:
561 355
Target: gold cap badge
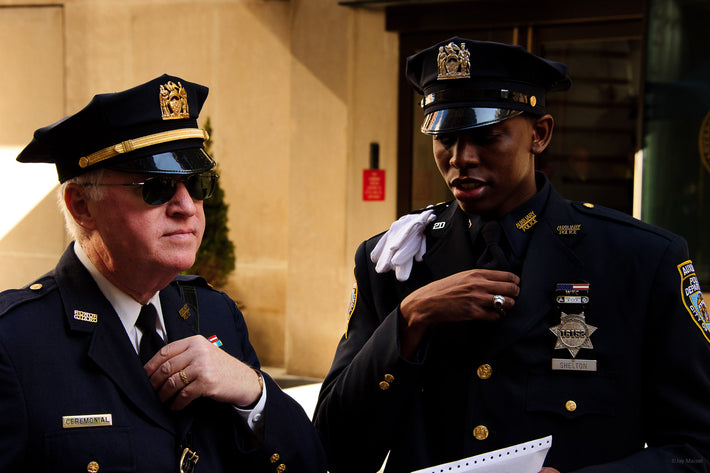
454 62
173 101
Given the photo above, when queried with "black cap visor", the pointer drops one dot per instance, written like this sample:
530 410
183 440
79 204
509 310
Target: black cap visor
175 161
456 119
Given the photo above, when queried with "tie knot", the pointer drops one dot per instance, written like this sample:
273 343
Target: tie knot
147 318
491 232
150 340
493 256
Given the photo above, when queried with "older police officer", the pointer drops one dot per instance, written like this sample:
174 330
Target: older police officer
510 314
110 362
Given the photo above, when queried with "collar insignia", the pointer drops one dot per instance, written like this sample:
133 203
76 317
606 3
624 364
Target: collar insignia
185 312
454 62
568 229
85 316
527 222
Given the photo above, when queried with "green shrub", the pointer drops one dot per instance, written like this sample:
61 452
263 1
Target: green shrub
215 258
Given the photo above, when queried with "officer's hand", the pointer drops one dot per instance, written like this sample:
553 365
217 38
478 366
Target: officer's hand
467 295
549 470
193 367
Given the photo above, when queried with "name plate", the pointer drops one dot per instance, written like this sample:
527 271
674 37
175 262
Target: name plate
565 364
95 420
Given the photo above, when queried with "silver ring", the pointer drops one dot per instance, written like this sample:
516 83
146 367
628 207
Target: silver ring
498 302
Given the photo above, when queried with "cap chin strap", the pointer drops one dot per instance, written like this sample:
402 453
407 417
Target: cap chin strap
142 142
497 95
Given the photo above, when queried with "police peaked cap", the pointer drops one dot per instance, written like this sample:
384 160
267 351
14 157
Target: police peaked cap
467 84
151 128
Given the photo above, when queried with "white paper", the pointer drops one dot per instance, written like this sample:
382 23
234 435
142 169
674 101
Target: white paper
526 457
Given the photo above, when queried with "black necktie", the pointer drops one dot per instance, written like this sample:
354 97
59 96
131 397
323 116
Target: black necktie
493 257
150 341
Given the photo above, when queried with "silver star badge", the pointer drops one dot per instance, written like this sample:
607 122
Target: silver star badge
573 333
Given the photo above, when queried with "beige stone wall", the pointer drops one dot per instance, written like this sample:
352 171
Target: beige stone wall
298 90
352 70
31 95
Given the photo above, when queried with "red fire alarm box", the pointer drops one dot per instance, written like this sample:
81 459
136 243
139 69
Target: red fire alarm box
373 184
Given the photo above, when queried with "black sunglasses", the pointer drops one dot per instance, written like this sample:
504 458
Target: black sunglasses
160 189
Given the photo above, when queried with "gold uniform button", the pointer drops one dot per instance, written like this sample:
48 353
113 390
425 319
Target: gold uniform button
588 205
92 467
275 457
571 406
36 287
281 468
384 385
389 378
484 371
480 432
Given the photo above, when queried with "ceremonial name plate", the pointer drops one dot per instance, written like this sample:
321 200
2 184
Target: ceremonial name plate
95 420
566 364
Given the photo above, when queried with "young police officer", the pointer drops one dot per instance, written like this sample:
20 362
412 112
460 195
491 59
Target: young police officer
510 314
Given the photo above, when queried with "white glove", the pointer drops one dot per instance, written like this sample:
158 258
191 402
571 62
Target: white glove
403 243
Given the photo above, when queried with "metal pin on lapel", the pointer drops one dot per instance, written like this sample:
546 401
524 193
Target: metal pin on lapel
214 340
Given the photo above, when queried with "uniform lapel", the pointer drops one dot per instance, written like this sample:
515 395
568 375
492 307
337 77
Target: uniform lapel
449 248
550 259
172 304
110 348
178 328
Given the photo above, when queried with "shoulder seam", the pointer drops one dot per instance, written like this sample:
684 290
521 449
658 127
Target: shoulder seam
606 213
12 298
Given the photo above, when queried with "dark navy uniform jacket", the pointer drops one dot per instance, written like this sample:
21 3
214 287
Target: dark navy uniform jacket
64 352
651 386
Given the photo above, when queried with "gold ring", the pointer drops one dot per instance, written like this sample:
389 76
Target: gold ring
184 377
